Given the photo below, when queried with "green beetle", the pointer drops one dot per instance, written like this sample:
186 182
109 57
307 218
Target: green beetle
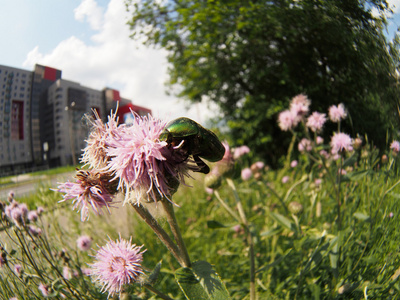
190 138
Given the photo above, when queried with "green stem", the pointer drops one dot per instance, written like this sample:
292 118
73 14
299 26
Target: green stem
227 208
157 292
159 231
249 239
173 223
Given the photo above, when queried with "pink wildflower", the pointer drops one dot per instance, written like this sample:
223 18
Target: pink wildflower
44 289
337 113
143 164
341 142
117 264
319 140
18 269
67 273
316 121
95 154
246 174
91 189
285 179
300 105
395 146
33 216
240 151
294 163
40 210
35 231
305 145
209 191
287 120
84 242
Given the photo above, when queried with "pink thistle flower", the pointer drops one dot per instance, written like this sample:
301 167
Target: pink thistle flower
316 121
143 163
18 269
35 231
341 142
337 113
287 120
84 242
285 179
44 289
246 173
209 191
395 146
67 273
117 264
294 163
318 182
240 151
95 154
33 216
300 105
91 189
40 210
305 145
319 140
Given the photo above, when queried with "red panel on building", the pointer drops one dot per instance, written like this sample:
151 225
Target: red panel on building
50 74
124 112
17 120
116 96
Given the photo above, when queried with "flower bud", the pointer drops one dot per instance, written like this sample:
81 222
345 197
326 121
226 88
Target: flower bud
212 180
384 159
295 208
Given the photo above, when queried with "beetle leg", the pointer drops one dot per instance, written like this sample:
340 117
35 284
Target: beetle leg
201 164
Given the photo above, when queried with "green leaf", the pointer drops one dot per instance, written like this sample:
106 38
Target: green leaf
361 216
212 224
282 220
154 275
357 175
201 282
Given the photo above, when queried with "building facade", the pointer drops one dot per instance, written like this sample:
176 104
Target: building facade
43 118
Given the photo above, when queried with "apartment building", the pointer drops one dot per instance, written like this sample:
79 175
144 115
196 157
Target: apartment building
43 117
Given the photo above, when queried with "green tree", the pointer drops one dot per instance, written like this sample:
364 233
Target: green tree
252 57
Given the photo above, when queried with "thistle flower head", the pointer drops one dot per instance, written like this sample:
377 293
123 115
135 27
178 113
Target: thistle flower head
395 146
337 113
287 120
300 105
316 121
341 142
84 242
91 189
144 165
117 264
94 154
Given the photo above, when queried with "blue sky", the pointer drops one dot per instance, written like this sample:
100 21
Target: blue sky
89 41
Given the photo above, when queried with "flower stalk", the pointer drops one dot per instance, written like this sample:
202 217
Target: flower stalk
159 231
173 223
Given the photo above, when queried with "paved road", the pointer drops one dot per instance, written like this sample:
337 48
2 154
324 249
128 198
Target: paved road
25 185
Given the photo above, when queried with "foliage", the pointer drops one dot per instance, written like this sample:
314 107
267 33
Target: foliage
251 57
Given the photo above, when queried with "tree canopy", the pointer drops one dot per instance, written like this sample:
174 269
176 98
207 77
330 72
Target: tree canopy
252 57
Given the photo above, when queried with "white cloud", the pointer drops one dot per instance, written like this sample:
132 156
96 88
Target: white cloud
90 10
114 60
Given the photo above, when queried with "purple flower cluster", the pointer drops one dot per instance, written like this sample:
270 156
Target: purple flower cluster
19 213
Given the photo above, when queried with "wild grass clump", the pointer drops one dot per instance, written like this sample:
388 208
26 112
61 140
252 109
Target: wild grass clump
324 226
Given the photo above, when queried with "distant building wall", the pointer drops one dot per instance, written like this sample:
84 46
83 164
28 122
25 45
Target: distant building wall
42 117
